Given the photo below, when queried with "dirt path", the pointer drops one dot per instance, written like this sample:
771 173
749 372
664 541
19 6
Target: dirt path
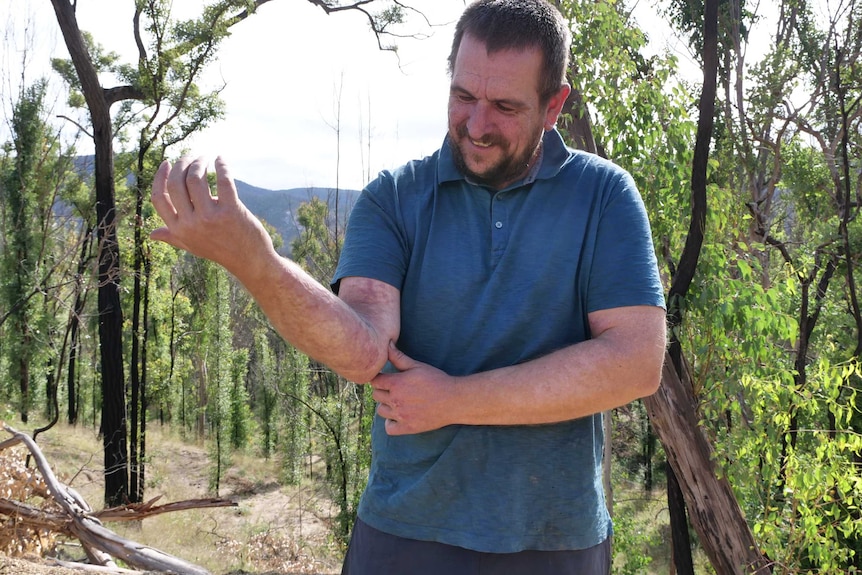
274 529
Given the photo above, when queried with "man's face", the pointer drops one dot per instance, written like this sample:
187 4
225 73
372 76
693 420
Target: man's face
496 119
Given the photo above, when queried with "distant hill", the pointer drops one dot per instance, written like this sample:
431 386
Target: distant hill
277 207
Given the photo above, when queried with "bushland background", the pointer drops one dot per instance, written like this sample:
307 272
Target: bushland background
156 373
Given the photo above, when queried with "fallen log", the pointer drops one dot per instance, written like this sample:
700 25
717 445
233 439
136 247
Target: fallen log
76 519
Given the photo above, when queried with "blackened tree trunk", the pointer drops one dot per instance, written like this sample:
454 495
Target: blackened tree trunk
75 328
712 506
113 423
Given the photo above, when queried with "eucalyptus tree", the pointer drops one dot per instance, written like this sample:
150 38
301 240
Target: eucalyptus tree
341 412
21 261
35 254
163 82
642 120
776 323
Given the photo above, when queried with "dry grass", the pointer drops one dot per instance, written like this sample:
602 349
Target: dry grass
274 528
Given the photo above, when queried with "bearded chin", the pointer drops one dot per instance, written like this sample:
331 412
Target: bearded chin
507 169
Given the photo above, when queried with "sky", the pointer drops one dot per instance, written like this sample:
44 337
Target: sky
289 73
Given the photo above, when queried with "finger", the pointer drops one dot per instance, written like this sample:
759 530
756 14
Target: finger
380 395
392 428
384 411
176 187
159 194
399 359
197 185
163 234
380 382
225 185
163 205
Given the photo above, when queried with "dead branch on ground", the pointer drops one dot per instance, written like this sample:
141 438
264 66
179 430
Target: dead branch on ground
27 527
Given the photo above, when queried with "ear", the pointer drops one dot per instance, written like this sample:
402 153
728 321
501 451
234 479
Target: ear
555 106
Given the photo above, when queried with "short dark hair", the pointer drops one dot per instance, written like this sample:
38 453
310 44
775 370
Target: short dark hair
519 24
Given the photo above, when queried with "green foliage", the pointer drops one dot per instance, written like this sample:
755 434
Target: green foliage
342 419
814 522
639 107
34 175
770 432
292 384
262 369
687 17
104 61
806 179
221 367
633 544
317 247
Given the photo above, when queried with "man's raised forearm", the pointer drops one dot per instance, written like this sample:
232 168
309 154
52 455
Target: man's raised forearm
351 338
348 334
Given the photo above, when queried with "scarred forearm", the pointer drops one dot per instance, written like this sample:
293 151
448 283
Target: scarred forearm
348 334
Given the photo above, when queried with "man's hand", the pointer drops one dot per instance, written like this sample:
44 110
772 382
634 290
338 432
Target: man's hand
419 398
219 228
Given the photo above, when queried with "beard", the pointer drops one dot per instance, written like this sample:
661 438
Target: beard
505 170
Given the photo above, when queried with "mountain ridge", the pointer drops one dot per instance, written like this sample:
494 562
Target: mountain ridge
278 207
275 207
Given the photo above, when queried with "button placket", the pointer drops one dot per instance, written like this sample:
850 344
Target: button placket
499 227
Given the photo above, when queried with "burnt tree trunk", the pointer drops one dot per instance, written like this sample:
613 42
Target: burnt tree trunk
713 509
75 326
113 424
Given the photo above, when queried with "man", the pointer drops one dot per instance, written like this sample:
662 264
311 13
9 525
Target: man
497 295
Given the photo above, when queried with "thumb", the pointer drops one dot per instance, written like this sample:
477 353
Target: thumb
399 359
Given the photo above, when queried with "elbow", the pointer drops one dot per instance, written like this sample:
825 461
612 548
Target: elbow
654 363
648 386
650 378
365 368
358 376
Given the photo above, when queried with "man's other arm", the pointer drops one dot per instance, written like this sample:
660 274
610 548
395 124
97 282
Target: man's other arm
620 363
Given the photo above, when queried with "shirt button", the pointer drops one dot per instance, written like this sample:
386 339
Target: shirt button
498 225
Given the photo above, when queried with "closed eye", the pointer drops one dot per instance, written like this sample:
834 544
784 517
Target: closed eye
463 97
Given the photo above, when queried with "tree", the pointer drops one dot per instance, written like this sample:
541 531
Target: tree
341 412
34 258
163 78
772 319
629 92
99 101
21 257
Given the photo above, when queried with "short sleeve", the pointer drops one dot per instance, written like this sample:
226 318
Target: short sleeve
624 270
375 245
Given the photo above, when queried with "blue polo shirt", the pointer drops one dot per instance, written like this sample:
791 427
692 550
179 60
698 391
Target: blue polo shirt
491 279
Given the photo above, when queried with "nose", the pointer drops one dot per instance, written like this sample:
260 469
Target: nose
479 121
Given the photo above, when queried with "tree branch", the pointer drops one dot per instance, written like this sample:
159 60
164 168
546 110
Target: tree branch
76 520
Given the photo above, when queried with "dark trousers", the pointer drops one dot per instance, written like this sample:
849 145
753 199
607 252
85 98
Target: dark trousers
372 552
